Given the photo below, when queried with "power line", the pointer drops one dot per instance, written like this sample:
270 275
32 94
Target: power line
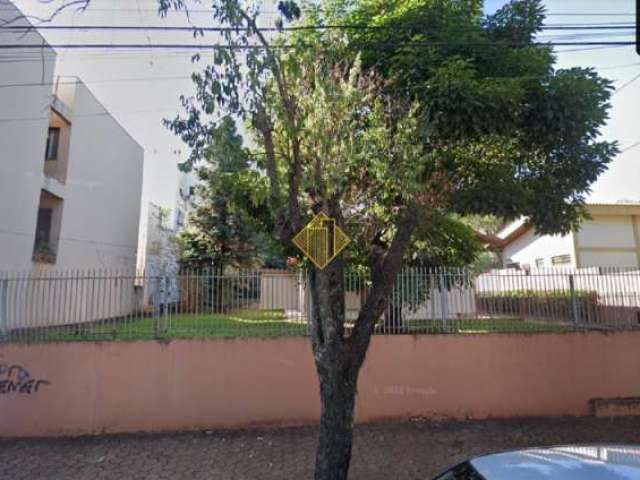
92 8
135 54
588 49
181 77
178 46
630 147
112 114
114 80
583 36
290 28
592 14
625 85
562 39
624 65
132 47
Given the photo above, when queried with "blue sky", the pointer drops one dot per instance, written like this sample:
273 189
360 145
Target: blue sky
143 86
491 6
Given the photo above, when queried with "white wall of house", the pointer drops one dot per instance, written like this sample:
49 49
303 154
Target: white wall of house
529 247
610 238
608 241
24 117
608 259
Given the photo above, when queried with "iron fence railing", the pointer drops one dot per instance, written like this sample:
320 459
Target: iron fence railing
126 305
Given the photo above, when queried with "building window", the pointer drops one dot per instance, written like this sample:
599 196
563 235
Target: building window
561 260
53 141
43 250
48 223
539 262
43 226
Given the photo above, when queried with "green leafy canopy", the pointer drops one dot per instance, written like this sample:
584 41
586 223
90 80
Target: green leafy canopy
360 121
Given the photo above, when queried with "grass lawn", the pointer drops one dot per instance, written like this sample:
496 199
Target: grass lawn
482 325
257 323
247 323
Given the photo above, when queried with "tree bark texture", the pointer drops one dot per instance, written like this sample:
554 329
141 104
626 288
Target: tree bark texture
337 396
335 370
338 356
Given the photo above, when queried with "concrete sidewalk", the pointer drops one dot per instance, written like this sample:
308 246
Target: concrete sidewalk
409 450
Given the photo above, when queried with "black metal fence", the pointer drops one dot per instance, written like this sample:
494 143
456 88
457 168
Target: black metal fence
127 305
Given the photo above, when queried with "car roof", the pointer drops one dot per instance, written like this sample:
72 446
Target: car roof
568 462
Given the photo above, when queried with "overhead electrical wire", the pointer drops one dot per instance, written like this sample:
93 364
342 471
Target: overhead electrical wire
92 8
624 65
590 14
97 114
113 80
133 48
588 49
291 28
168 78
625 85
15 56
176 77
585 38
27 46
630 147
584 35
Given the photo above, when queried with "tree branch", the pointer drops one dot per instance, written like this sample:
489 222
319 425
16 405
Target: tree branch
328 312
264 125
81 6
384 270
290 111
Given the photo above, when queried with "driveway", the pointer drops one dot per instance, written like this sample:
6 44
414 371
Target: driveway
408 450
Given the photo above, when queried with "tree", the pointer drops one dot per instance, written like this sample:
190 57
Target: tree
387 167
231 220
445 241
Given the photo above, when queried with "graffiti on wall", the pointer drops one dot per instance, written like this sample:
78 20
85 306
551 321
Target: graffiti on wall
17 379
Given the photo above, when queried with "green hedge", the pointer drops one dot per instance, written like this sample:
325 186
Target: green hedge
549 305
538 294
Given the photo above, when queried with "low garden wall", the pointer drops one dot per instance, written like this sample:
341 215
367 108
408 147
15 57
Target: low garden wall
92 388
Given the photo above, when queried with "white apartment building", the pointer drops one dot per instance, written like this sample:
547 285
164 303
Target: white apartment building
70 174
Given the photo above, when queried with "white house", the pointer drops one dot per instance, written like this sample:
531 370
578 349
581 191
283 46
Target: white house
610 238
70 174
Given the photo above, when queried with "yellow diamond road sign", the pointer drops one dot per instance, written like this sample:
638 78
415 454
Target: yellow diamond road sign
321 240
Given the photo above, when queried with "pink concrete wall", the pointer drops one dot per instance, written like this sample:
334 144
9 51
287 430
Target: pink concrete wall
152 386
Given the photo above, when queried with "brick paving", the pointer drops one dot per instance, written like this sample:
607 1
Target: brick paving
408 450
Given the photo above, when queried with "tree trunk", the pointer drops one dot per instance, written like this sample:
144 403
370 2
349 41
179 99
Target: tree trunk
337 370
337 396
338 355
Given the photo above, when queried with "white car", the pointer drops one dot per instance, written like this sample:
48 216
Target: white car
570 462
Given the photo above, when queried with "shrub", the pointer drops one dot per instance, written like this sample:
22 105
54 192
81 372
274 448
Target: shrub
555 304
